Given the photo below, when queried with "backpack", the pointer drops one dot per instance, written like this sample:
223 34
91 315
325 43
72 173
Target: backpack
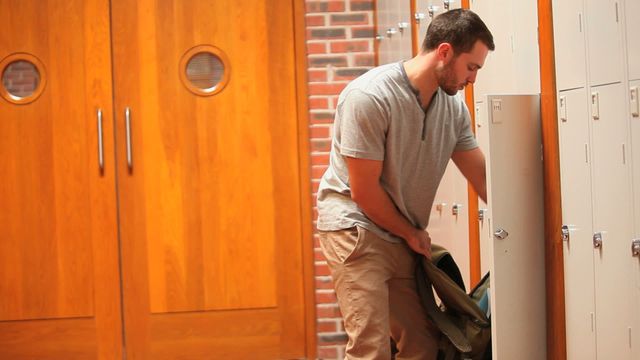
462 318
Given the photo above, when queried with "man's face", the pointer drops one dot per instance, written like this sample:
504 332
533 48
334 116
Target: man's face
459 70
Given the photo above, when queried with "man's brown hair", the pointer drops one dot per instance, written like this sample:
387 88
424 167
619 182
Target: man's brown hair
459 27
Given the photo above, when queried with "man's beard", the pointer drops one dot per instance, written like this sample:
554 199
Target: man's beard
447 79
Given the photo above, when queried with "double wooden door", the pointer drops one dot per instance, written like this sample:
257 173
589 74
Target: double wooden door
173 228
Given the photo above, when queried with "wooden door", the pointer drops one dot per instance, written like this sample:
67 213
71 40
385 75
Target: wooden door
59 277
210 195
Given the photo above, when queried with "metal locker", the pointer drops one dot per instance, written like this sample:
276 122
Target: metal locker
449 221
612 223
632 14
634 115
511 136
569 43
394 30
575 180
401 16
604 41
460 222
426 10
385 31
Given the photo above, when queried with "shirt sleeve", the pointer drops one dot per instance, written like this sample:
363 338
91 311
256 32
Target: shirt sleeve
363 126
466 138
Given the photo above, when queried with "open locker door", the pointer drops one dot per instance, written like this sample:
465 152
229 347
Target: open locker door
512 230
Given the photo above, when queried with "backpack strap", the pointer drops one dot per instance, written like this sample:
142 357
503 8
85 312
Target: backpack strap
444 323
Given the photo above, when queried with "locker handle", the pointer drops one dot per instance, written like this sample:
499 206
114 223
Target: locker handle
565 233
455 209
597 240
100 143
419 17
635 247
482 213
127 120
391 32
501 234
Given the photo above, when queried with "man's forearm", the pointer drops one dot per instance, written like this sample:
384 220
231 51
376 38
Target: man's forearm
378 207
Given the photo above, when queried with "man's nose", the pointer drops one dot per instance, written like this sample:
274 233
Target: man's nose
472 78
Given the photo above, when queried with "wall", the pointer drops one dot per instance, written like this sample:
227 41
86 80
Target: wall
340 48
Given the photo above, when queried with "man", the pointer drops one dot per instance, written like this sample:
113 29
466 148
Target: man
396 127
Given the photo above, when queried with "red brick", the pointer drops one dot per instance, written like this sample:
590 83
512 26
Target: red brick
319 103
315 20
326 89
319 256
349 46
365 60
326 298
362 32
327 326
318 171
328 352
320 132
324 6
322 269
316 48
320 159
324 285
326 33
361 5
328 312
320 145
314 186
322 61
350 19
324 117
348 73
317 75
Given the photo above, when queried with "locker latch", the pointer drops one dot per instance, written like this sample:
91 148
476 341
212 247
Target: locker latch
597 240
455 209
565 233
481 214
419 17
391 32
501 234
432 9
448 3
635 247
402 26
635 102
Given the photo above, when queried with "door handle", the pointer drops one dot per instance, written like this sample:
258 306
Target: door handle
127 121
100 143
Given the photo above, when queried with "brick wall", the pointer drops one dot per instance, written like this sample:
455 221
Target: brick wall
340 48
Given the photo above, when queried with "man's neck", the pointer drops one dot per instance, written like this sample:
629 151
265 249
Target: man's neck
421 73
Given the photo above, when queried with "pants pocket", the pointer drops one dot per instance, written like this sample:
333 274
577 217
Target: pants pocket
339 246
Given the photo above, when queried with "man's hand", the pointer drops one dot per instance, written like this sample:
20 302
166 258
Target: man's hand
420 242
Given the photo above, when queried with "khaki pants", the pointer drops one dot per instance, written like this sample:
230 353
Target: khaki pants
376 290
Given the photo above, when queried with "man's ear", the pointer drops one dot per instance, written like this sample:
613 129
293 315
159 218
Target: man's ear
445 52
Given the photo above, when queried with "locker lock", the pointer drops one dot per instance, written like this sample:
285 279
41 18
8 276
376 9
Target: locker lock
455 209
565 233
481 214
379 37
432 9
419 17
448 3
635 247
402 26
597 240
391 32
